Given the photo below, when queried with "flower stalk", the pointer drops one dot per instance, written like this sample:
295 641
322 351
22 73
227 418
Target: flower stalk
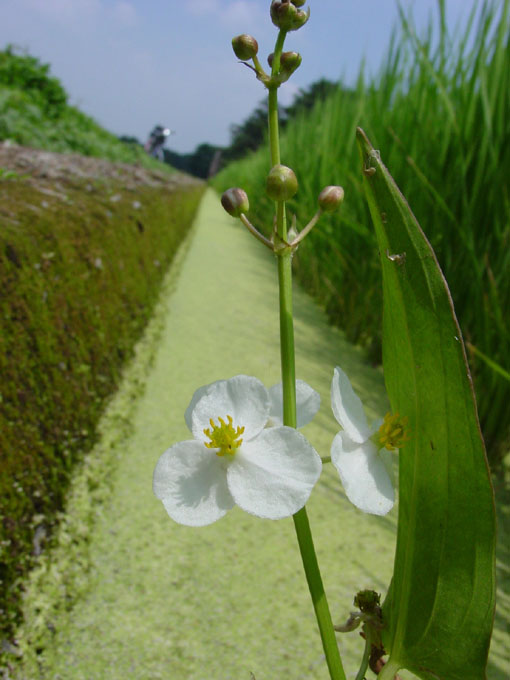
301 523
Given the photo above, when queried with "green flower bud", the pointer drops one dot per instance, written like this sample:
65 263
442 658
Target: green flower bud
298 3
300 19
330 198
283 14
281 183
235 201
245 47
289 62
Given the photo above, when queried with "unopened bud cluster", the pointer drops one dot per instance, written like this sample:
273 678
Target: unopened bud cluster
286 15
281 182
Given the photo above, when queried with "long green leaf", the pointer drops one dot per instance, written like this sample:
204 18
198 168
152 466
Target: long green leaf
439 611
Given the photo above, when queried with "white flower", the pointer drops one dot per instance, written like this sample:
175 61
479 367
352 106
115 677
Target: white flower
361 463
235 459
307 404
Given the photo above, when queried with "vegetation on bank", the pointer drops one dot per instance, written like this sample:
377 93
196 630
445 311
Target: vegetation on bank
439 111
83 250
80 270
34 111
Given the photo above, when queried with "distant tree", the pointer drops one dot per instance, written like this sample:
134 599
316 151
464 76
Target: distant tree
196 163
249 135
127 139
201 160
307 98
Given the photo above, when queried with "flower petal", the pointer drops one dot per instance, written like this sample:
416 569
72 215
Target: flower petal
273 475
347 408
363 474
242 397
197 395
191 481
308 402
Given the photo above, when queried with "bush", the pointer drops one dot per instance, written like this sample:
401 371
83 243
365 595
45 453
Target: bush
26 73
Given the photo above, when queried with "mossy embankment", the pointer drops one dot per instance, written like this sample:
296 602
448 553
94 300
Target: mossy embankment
126 592
84 246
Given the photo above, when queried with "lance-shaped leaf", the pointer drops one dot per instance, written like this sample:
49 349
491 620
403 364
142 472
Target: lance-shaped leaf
439 610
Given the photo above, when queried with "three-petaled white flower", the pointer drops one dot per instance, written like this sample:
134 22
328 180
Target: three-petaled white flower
234 459
362 454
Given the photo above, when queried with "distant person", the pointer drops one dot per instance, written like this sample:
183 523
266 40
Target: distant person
157 138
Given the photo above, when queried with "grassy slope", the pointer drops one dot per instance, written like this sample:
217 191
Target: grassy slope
82 257
160 600
23 121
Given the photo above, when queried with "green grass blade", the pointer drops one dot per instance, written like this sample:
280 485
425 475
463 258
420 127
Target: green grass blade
440 608
492 364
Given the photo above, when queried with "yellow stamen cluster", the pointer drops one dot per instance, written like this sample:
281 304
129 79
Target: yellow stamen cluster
392 434
224 437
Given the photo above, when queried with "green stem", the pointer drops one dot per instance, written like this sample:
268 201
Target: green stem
274 139
302 526
288 362
366 655
274 142
320 602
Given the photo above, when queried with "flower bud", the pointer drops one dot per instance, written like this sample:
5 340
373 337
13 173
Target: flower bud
298 3
289 62
235 201
281 183
330 198
245 47
300 19
283 14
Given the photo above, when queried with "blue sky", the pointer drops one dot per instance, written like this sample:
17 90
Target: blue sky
134 63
